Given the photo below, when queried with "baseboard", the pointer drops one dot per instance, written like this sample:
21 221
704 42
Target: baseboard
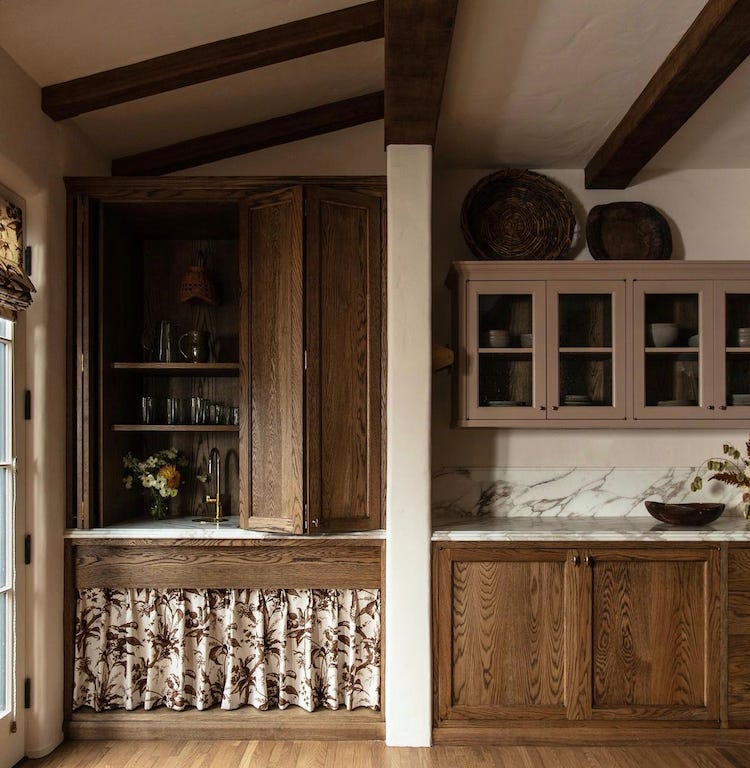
620 735
293 724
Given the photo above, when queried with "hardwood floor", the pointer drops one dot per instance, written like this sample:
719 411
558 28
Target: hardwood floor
348 754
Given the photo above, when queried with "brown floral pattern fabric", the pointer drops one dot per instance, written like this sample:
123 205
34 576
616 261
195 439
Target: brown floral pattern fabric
200 647
15 286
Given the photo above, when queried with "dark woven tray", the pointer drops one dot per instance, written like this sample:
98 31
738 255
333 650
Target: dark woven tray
517 215
627 230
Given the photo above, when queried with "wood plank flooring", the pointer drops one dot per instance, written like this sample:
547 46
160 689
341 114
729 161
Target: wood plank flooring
349 754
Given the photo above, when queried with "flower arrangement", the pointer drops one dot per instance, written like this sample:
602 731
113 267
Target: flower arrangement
158 474
733 470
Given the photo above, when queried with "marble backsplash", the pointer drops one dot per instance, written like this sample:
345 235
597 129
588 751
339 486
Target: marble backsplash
460 492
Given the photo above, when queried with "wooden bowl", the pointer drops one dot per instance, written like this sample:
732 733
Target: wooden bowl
685 514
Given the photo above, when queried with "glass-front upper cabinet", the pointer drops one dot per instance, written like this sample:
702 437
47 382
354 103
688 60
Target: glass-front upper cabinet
732 349
586 349
673 376
505 348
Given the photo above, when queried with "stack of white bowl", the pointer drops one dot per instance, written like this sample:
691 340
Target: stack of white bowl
498 337
743 337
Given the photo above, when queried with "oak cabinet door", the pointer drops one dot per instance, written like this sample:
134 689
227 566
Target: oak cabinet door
344 362
738 636
500 620
655 634
271 440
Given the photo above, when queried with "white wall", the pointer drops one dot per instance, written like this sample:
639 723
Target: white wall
35 154
708 216
408 687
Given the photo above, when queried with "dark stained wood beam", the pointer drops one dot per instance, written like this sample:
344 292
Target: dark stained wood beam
717 42
249 138
219 59
418 37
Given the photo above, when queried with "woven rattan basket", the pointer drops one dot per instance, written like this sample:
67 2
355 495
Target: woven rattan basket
517 215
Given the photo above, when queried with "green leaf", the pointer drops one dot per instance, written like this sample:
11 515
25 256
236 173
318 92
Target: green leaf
697 484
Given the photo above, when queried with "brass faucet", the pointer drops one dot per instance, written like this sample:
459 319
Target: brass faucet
214 470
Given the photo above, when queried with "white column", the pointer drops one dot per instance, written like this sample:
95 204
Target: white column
408 686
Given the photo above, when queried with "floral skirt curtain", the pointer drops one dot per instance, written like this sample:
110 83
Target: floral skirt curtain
200 647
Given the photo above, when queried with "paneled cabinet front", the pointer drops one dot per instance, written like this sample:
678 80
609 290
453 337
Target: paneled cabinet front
529 633
314 333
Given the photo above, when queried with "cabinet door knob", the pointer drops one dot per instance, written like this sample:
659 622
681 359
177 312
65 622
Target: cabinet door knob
576 560
710 407
589 561
554 407
542 407
722 407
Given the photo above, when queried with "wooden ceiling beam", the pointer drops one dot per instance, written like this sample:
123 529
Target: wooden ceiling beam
418 37
249 138
213 60
716 43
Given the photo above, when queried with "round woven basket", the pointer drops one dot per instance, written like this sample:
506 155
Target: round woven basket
517 215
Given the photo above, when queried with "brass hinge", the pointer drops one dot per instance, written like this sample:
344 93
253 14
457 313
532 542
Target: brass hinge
305 360
14 727
83 366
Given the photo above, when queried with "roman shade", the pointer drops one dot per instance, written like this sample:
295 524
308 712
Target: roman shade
15 286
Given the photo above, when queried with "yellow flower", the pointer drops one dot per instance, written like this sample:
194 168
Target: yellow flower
171 475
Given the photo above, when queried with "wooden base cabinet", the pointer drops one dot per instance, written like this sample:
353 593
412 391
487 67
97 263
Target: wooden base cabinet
526 633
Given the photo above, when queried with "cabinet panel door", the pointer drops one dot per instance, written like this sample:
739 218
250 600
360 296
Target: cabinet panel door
586 349
502 359
500 621
732 349
655 634
344 408
271 439
672 349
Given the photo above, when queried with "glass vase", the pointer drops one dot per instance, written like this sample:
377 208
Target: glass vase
159 506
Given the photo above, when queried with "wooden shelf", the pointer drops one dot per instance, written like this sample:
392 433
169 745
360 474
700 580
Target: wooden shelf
175 428
180 369
585 350
672 350
505 350
738 350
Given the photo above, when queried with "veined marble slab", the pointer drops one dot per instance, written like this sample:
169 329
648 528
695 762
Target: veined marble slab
568 529
185 528
578 492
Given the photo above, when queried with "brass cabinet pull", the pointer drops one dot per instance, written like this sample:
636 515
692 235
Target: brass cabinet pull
722 407
576 560
589 561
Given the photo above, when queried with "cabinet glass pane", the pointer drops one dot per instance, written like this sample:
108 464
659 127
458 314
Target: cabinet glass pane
672 379
738 379
505 380
585 320
737 320
505 320
586 379
672 320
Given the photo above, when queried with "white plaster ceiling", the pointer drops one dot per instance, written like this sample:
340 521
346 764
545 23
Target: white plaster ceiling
535 83
541 84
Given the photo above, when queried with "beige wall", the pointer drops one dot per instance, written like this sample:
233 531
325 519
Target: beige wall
35 154
707 212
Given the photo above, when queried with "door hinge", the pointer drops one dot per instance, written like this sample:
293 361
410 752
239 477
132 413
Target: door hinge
27 260
14 727
27 405
27 549
27 693
304 360
83 366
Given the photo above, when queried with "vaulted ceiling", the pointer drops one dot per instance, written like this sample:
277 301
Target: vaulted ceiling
536 83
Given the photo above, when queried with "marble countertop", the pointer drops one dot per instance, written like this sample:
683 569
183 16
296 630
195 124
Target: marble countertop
547 529
185 528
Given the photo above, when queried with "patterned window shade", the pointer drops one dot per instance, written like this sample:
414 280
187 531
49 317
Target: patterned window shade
15 286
